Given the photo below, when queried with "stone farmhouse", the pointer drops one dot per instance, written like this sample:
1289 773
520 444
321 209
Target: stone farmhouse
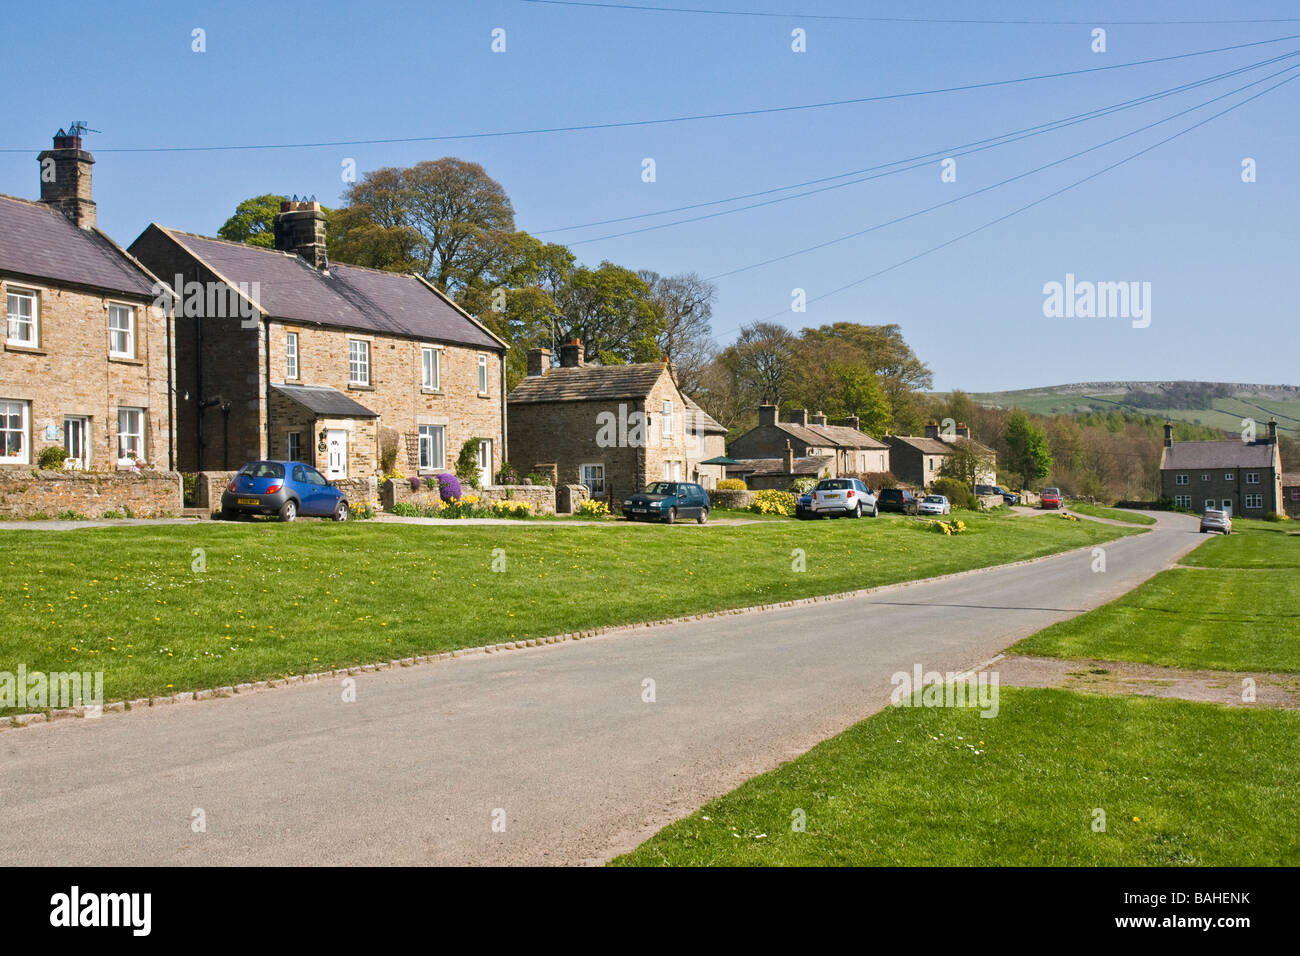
1244 478
774 453
283 354
613 428
918 460
87 352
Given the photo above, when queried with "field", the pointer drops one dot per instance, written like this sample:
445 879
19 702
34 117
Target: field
167 608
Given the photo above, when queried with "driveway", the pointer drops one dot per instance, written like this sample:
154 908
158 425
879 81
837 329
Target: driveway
557 742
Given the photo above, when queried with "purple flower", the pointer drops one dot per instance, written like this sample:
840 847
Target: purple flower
415 484
448 487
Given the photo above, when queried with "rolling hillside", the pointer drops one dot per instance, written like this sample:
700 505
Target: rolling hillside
1217 404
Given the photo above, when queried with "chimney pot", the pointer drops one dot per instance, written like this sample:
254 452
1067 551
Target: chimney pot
818 419
1169 435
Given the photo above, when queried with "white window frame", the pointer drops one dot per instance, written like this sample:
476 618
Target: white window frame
84 424
427 433
292 372
24 456
593 476
125 436
1182 501
33 321
430 368
1255 501
114 331
483 383
358 362
1227 503
293 446
1181 479
667 412
1205 476
1227 476
1252 477
1210 505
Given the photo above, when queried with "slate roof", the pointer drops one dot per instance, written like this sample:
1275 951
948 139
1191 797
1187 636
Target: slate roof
348 296
1291 479
39 242
926 446
324 401
704 422
588 383
1191 455
812 465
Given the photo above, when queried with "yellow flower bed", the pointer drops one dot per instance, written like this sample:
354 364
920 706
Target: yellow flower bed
1067 517
773 503
592 508
512 509
946 527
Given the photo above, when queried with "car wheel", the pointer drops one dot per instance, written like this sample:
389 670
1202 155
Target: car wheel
672 516
875 511
704 516
229 514
857 511
341 512
289 510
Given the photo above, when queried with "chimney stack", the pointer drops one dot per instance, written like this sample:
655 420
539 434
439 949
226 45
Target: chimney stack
300 228
818 419
571 354
1169 435
65 179
767 414
539 362
932 430
799 417
853 422
789 458
963 430
1272 431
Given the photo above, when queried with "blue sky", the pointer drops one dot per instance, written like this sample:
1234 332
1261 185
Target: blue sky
1219 253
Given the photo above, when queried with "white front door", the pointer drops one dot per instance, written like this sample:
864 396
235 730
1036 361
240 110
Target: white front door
1227 506
76 439
485 462
336 443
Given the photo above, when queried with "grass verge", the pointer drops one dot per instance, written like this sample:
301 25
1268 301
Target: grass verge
1180 783
167 608
1114 514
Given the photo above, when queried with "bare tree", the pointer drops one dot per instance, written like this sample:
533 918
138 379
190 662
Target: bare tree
684 306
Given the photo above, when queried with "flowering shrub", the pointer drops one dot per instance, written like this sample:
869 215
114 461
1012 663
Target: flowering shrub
512 509
946 527
593 508
802 486
772 503
508 475
416 484
362 511
394 475
448 487
462 507
732 484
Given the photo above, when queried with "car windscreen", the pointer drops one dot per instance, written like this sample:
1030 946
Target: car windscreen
934 499
834 484
891 493
661 488
263 469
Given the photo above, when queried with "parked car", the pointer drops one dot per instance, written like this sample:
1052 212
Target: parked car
837 497
1216 520
1051 498
667 501
1009 497
803 506
934 505
898 499
284 488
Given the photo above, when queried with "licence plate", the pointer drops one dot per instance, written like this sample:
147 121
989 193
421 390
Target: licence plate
250 501
833 497
639 511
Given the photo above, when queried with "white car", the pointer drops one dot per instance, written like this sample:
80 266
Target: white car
835 497
934 505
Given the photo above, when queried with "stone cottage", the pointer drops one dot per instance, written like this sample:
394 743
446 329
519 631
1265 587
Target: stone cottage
87 351
805 446
919 460
613 428
1243 478
283 354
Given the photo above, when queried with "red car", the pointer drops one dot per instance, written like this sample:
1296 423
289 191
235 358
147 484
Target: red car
1051 498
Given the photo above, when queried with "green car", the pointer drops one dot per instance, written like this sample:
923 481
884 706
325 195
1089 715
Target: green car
668 501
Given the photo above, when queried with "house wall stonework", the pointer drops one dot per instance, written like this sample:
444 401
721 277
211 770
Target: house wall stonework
70 373
1220 488
150 494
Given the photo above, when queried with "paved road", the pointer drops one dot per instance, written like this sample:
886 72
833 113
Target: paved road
557 737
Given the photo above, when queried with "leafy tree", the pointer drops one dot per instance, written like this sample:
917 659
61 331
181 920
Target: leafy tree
253 221
609 310
1027 451
762 362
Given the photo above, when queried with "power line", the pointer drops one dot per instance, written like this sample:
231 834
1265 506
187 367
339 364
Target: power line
626 124
915 161
644 8
1041 199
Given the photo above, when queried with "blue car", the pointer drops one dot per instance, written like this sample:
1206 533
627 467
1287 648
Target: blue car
284 488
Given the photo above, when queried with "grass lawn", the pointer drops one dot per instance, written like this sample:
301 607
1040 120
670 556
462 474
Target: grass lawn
279 599
1114 514
1180 783
1239 610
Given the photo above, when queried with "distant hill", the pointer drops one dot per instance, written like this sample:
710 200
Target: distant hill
1216 404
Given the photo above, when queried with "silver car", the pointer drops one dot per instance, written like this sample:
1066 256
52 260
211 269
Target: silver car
1216 521
836 497
934 505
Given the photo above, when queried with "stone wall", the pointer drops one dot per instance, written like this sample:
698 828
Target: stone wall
208 486
540 497
151 494
358 491
739 500
568 497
